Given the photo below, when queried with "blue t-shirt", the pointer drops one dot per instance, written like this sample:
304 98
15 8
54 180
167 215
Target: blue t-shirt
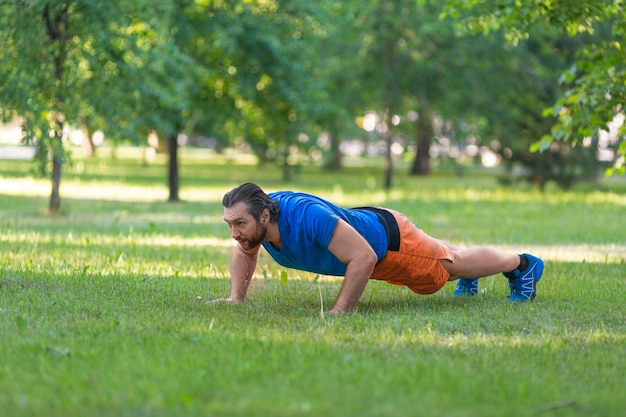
306 224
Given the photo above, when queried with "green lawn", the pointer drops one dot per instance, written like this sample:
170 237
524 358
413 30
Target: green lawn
102 309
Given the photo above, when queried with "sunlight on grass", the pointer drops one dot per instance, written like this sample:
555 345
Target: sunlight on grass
203 194
36 238
102 191
106 191
426 337
104 305
612 253
119 191
500 195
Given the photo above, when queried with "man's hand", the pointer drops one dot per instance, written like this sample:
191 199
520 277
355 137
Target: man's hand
228 300
334 312
242 266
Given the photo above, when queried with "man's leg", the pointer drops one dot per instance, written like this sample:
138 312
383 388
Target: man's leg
480 261
522 271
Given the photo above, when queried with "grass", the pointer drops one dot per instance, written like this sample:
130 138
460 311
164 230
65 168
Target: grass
102 309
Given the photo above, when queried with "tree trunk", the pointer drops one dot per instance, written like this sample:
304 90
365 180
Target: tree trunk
172 142
57 163
56 22
41 155
421 163
391 83
56 147
286 166
333 163
286 150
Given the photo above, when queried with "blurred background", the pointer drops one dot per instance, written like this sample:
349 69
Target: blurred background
529 91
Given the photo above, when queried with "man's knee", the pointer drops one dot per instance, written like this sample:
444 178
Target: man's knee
450 267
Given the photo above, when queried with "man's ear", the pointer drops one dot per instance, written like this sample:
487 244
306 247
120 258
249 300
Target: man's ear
265 216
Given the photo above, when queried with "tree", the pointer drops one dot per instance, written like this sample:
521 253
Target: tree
339 91
422 69
65 60
267 56
35 75
594 88
535 65
169 77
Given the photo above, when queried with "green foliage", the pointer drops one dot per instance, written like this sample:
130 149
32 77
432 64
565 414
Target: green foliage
594 88
274 75
102 310
80 63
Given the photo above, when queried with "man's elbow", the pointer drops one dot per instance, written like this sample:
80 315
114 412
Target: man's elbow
370 259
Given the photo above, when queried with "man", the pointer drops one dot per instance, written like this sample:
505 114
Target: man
308 233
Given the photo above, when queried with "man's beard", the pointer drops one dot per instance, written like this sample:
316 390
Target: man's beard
256 239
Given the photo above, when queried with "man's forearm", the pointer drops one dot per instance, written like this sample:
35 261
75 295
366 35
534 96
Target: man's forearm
356 278
241 271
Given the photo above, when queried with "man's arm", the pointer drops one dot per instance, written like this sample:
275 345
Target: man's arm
353 250
242 266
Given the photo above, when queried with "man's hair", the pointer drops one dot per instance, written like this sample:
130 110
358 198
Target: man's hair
255 200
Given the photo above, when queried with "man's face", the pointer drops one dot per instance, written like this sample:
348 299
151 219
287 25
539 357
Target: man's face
244 228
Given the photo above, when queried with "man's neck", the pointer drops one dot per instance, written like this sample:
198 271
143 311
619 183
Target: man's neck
272 235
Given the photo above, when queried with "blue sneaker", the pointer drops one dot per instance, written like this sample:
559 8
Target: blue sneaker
466 287
523 284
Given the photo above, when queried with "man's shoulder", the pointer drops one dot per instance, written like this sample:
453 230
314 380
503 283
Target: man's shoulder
275 194
302 208
295 198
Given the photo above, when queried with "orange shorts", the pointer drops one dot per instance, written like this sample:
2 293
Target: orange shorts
416 264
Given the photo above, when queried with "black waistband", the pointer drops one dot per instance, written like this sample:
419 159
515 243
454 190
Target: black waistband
389 223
